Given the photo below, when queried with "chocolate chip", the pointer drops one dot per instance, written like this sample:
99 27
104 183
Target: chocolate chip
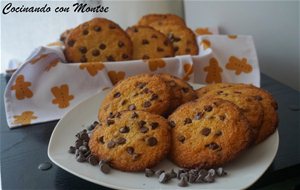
72 150
222 117
83 149
134 115
203 172
192 178
187 121
153 97
154 125
101 139
124 129
199 115
110 58
185 90
170 37
110 122
159 49
136 156
147 104
83 59
124 102
220 171
140 85
120 44
117 95
219 92
146 91
259 98
205 131
212 172
85 32
135 29
125 56
152 141
118 115
102 46
209 178
208 108
144 129
218 133
176 39
130 150
145 57
173 174
71 43
149 172
97 28
112 26
111 144
141 123
172 124
163 177
180 171
104 167
175 48
181 138
78 143
45 166
93 160
183 182
80 158
121 140
131 107
83 49
158 172
144 41
154 36
213 146
92 127
95 52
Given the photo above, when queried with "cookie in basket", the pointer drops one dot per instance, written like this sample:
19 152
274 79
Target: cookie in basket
140 92
132 141
148 43
181 91
162 19
183 38
98 40
208 133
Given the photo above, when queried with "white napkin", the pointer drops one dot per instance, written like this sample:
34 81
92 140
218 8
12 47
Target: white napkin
44 88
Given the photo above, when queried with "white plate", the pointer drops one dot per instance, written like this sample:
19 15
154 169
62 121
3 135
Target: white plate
243 171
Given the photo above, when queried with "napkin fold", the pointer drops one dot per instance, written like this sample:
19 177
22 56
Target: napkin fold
45 87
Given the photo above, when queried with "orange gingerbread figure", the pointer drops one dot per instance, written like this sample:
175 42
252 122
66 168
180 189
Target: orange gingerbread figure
37 59
25 118
62 96
238 65
213 71
154 64
22 88
206 44
52 64
188 69
202 31
115 77
92 67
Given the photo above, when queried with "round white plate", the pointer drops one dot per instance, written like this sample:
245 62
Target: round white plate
242 172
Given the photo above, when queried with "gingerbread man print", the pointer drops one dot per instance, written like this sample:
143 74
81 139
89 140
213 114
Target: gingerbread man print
22 88
213 71
62 96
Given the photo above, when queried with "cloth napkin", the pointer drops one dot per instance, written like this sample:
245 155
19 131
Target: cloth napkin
45 87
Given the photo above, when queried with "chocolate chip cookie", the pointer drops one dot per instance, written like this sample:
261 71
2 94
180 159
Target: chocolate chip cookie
208 133
149 43
161 19
132 141
183 38
98 40
140 92
181 91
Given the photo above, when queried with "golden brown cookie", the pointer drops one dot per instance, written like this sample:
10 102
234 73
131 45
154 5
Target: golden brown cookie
162 19
98 40
141 92
181 91
250 107
149 43
269 104
132 141
208 133
183 38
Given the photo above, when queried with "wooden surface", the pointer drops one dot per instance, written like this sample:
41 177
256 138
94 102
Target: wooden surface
23 149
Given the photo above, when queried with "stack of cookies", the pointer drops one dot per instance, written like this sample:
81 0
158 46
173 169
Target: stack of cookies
155 36
205 132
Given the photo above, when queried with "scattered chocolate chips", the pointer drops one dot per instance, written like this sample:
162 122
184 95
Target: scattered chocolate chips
187 121
181 138
95 52
104 167
93 160
220 172
144 41
131 107
153 97
117 95
80 158
183 182
121 140
85 32
171 124
147 104
152 141
102 46
72 150
209 178
149 172
111 144
199 115
92 127
124 129
154 125
205 131
130 150
78 143
208 108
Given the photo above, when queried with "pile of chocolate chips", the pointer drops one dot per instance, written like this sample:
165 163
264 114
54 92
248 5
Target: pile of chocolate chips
82 151
186 176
